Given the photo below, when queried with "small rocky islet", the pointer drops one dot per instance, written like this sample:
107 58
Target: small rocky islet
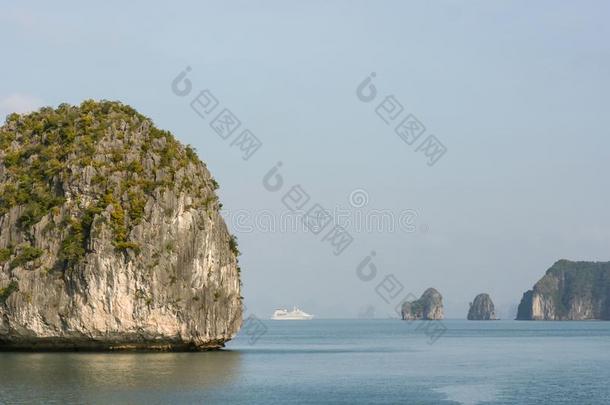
110 236
482 309
428 307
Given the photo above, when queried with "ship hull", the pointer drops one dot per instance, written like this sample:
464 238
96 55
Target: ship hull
292 318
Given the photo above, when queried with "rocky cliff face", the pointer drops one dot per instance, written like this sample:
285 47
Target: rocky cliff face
110 236
482 309
429 306
569 291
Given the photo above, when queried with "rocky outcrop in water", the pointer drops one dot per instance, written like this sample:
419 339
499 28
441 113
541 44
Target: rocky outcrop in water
569 291
482 309
110 236
429 306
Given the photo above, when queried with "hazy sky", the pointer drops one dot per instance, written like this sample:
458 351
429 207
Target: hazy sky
518 92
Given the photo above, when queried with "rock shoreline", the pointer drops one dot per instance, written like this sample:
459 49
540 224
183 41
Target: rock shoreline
122 343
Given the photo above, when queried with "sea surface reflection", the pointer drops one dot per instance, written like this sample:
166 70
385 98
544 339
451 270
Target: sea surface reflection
111 377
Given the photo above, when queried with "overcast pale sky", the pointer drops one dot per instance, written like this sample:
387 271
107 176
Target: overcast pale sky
518 93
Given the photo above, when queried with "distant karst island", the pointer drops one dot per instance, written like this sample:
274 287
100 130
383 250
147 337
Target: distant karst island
482 309
569 291
110 236
428 307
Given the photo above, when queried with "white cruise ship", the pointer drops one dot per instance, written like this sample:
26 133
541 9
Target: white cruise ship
295 315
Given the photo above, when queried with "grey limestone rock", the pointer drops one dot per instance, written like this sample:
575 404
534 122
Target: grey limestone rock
110 236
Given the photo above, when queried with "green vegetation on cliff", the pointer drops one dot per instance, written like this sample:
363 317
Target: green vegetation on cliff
25 254
7 291
98 144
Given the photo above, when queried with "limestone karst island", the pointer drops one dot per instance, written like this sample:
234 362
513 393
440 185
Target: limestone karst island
569 291
428 307
482 309
110 236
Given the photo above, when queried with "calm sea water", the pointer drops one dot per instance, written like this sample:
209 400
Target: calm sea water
338 361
